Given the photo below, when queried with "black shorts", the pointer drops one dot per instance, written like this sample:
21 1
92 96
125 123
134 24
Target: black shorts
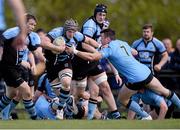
27 76
53 70
13 75
140 85
82 71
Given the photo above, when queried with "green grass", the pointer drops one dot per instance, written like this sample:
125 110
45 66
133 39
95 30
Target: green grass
93 124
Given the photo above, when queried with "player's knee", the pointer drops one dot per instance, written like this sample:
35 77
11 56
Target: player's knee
164 107
27 95
66 82
94 92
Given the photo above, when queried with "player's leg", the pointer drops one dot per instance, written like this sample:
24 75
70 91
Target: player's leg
156 86
27 99
124 98
101 81
6 112
65 76
7 97
92 104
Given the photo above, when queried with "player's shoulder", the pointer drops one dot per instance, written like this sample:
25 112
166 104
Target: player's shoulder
137 41
89 22
11 32
155 40
34 34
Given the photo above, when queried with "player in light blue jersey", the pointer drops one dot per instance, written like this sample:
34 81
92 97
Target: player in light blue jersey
149 47
137 75
58 63
149 97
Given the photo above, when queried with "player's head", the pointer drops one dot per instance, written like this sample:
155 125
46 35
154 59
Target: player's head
100 12
107 35
41 32
147 32
70 27
31 22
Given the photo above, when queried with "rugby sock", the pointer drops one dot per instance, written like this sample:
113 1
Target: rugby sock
63 97
134 106
68 109
8 109
29 106
91 108
174 99
115 115
4 102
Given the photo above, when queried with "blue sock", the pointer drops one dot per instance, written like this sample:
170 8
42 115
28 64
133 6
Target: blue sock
134 106
4 102
91 108
29 106
174 99
8 109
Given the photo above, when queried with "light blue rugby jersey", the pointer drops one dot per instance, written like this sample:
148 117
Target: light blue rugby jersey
150 97
45 86
43 109
119 54
25 54
92 29
2 18
147 51
32 40
59 31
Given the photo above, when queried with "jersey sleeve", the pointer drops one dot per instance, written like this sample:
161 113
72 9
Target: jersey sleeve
34 41
57 32
106 52
79 37
134 44
89 28
160 46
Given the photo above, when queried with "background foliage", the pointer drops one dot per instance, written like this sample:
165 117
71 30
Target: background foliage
126 16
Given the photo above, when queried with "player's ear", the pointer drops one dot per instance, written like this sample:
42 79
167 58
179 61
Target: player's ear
152 33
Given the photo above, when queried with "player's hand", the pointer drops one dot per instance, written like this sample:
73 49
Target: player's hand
70 50
157 67
26 64
118 79
134 52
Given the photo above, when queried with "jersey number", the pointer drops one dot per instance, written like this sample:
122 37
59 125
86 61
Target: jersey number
124 49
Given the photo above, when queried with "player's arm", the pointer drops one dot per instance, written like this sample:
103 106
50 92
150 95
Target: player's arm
88 47
46 44
91 42
95 56
164 58
32 63
116 74
19 11
163 61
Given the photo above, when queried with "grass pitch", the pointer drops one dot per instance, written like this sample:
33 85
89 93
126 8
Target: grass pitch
93 124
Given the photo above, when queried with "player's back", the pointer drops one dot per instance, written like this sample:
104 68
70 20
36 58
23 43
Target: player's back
125 63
